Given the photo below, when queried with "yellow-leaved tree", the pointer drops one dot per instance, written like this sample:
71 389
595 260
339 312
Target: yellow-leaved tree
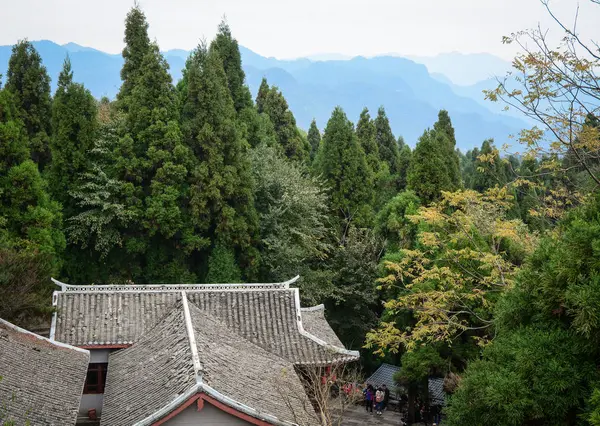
467 254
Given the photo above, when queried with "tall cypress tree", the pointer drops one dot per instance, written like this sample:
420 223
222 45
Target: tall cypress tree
366 133
427 174
227 48
29 220
137 45
73 132
444 125
221 191
29 83
261 97
344 166
404 158
314 139
386 142
276 107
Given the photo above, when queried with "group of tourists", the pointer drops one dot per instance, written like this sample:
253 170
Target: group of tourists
378 397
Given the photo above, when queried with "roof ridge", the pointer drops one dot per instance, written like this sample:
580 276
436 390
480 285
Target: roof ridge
320 307
192 338
314 338
153 288
37 336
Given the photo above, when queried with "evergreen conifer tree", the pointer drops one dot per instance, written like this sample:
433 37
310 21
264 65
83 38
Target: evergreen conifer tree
221 191
73 132
261 97
29 83
444 125
227 48
29 220
137 45
271 102
404 157
386 142
366 133
344 166
427 174
314 139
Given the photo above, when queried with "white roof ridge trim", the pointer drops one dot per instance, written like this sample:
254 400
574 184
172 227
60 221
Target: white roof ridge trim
37 336
314 338
124 288
320 307
201 387
191 337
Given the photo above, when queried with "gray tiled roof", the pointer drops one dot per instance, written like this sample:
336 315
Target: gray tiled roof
159 368
315 323
150 374
41 381
267 315
385 375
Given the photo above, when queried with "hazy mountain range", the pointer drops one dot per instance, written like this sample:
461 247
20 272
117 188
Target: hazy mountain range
411 93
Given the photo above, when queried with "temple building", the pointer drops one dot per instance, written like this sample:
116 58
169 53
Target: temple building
188 354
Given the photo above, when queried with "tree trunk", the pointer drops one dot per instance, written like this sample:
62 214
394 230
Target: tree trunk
412 394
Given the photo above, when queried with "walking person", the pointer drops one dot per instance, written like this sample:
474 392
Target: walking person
386 397
369 398
379 397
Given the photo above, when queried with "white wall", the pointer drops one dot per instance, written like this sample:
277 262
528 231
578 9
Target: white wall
93 400
99 355
208 416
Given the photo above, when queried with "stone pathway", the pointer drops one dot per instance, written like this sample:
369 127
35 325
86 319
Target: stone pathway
358 416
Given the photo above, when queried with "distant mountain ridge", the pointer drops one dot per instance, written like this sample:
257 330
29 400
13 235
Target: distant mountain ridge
411 95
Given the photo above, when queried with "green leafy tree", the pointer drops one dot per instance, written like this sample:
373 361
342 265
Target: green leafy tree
416 368
221 199
541 367
293 212
29 83
343 165
314 139
73 131
227 48
393 224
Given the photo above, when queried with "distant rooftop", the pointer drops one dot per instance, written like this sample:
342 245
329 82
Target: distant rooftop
41 381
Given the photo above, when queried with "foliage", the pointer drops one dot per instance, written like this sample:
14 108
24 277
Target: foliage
28 81
531 376
270 100
342 163
222 267
444 126
314 139
386 142
221 199
541 366
428 174
393 223
227 48
468 253
73 132
292 208
558 88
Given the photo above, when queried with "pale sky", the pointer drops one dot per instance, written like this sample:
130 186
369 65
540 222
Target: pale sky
289 29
